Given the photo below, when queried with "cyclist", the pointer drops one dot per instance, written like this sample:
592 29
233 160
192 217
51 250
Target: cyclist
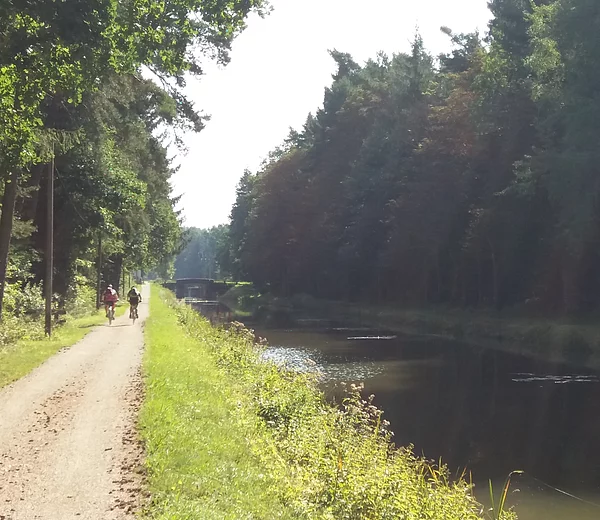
111 297
134 298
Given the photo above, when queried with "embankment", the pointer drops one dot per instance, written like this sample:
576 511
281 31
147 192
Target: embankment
560 340
231 436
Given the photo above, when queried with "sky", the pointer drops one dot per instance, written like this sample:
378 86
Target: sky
278 72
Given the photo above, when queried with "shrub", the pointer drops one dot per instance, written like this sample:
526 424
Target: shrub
81 297
13 329
23 299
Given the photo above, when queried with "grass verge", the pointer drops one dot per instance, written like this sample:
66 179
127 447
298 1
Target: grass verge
201 439
19 358
229 436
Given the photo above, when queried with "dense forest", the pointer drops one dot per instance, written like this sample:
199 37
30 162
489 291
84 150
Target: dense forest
92 92
467 179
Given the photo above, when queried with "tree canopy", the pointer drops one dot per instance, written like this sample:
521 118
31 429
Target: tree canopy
470 178
73 89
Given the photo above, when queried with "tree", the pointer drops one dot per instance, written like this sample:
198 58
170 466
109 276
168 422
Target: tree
53 54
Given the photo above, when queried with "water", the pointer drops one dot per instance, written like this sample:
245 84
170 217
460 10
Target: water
480 409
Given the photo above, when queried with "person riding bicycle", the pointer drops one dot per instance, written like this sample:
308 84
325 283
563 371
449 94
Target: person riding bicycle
111 297
134 297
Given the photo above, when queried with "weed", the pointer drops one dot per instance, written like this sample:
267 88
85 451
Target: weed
498 510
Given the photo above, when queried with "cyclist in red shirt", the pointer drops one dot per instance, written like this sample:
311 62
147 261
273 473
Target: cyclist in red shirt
111 297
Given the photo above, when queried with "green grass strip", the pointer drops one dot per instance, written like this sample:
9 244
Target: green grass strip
200 441
21 358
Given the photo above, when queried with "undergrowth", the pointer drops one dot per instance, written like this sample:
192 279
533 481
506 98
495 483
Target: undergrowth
323 462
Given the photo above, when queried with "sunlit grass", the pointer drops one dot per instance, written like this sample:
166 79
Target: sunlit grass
201 446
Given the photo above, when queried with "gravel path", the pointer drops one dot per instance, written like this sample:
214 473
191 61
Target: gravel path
68 444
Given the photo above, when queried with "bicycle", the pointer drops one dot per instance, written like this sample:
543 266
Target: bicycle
133 312
110 313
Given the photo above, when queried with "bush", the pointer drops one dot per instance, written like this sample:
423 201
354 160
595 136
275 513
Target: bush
23 299
242 296
81 297
13 329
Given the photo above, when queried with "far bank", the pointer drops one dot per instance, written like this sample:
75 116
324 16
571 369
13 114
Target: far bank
568 340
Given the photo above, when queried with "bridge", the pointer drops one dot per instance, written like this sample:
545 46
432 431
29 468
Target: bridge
203 289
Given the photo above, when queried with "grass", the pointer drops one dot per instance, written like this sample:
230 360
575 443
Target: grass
229 436
21 357
201 444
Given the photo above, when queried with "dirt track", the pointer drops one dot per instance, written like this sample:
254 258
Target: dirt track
68 445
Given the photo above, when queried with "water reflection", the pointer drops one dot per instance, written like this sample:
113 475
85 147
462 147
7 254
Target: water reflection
489 411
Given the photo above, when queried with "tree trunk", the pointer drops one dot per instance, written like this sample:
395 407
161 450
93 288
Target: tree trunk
6 226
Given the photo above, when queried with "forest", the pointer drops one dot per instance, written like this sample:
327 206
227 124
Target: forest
467 179
91 96
204 254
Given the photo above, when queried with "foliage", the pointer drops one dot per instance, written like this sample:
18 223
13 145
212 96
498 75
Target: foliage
470 181
323 461
72 91
14 329
80 297
69 48
205 254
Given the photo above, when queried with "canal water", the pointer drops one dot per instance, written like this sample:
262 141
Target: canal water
484 410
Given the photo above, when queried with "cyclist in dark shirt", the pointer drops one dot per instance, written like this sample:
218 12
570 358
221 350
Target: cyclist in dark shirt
134 297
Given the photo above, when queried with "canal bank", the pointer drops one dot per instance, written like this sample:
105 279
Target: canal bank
483 411
230 436
561 340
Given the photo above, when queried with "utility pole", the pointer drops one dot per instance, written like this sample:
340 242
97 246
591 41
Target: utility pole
99 273
49 246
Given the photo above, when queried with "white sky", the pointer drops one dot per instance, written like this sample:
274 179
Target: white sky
277 75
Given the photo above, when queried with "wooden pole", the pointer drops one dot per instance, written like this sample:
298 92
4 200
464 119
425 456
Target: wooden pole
49 246
99 273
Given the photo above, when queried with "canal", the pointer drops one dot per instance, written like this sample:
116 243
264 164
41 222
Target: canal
484 410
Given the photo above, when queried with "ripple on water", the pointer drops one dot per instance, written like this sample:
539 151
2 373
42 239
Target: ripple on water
526 377
311 361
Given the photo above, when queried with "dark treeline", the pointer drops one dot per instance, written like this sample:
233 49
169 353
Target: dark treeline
470 179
